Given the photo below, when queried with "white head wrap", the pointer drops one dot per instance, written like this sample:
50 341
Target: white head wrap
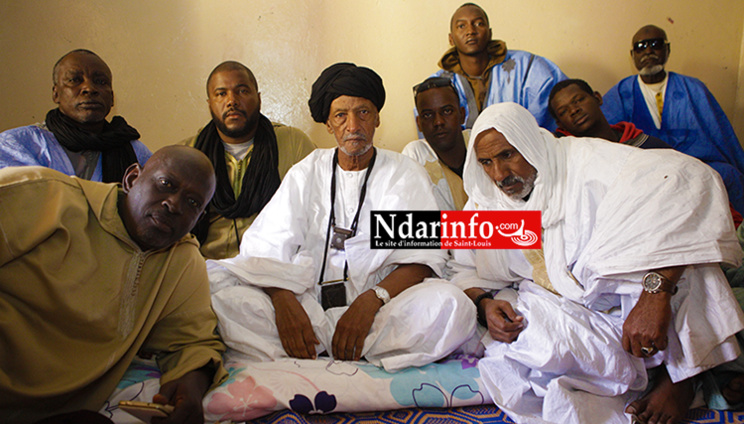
607 209
543 151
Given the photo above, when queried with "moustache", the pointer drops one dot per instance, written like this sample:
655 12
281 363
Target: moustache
355 136
229 111
510 180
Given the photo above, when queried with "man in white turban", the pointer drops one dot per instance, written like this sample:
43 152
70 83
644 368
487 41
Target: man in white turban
627 279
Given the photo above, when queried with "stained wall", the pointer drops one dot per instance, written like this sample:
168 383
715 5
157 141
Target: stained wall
161 52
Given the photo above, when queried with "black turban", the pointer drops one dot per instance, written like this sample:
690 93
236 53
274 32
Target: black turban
344 79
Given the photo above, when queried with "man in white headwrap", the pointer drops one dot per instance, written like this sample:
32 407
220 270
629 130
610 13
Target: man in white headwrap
627 279
307 281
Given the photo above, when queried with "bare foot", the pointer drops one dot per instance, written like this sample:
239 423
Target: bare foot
734 390
666 403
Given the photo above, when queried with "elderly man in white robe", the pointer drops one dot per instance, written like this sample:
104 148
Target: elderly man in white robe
627 278
306 280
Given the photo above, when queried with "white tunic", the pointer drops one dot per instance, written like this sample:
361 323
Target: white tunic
422 152
610 213
284 248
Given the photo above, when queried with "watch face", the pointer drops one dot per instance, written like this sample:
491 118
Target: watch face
651 282
382 294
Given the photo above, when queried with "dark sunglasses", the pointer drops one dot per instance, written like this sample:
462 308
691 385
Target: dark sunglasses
434 82
655 43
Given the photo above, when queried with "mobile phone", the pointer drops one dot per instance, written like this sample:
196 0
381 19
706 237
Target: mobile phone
145 411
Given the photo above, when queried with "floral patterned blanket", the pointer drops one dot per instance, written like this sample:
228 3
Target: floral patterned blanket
315 386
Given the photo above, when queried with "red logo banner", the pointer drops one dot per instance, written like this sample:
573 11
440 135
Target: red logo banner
491 230
455 230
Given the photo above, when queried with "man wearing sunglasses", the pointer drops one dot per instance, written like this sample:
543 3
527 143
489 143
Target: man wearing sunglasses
442 150
677 109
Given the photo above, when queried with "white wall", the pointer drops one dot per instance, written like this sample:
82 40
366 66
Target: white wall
161 52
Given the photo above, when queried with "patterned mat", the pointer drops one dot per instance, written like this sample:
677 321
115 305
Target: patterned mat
485 414
469 414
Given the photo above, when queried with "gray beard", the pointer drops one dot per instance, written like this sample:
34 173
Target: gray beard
651 70
360 153
528 184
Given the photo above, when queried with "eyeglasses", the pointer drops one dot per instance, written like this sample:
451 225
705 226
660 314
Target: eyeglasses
655 43
434 82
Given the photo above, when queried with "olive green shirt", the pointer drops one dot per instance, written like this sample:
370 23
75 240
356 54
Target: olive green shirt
223 239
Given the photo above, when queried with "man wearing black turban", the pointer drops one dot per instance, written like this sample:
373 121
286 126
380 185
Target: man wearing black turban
310 281
344 79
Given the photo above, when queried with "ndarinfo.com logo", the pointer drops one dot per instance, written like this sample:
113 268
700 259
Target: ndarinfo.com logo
455 230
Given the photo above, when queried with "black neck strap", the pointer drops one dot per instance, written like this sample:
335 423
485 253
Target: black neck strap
332 218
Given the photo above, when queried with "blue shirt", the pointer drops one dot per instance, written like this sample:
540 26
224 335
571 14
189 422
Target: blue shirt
34 146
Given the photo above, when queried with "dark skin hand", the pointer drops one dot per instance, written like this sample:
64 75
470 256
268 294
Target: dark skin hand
504 324
648 321
186 395
295 330
354 325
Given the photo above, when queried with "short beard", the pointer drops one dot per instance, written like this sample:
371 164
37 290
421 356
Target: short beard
528 184
651 70
359 153
250 125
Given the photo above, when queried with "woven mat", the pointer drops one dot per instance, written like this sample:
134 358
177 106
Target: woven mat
485 414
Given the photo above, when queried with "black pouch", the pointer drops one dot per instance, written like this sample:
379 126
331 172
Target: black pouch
333 294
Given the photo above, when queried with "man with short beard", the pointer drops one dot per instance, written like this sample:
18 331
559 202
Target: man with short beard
622 282
250 155
307 280
678 109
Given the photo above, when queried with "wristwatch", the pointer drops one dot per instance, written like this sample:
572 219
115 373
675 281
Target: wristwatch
381 294
653 283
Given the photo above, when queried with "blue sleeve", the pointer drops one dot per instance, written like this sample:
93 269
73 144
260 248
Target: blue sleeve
142 152
709 137
25 146
613 106
543 75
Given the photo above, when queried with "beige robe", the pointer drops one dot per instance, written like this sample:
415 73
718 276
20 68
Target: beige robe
78 298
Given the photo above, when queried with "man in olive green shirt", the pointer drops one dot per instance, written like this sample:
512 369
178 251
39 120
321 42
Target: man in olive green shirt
250 155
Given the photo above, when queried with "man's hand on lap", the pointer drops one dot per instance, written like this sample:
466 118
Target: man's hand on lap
294 326
504 324
353 327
